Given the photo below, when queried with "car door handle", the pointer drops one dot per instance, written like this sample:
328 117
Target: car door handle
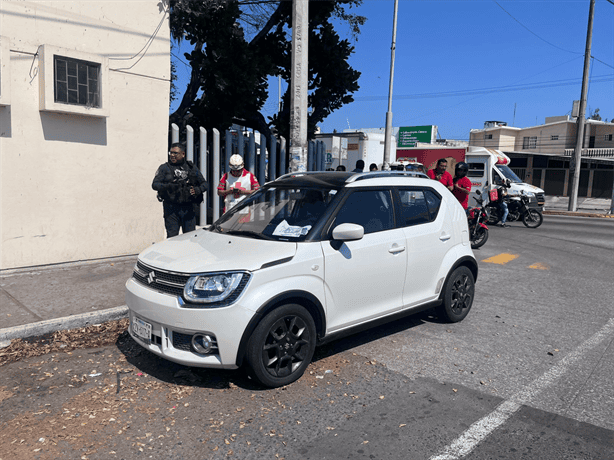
396 249
445 237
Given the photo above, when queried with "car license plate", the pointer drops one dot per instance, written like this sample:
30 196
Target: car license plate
141 329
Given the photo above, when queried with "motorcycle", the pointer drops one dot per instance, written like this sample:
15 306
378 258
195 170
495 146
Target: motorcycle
518 209
476 218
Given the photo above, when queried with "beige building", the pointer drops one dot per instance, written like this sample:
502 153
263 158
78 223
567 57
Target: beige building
541 155
84 94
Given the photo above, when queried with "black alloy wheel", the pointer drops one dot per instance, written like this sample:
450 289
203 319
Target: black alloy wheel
458 295
281 346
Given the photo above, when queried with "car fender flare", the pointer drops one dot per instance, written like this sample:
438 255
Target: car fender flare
304 298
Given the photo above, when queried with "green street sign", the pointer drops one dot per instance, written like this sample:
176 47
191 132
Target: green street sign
409 136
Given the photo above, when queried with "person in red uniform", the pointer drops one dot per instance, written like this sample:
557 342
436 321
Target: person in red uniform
440 174
462 184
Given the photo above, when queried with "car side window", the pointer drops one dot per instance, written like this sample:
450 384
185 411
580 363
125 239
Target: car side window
370 208
418 206
433 202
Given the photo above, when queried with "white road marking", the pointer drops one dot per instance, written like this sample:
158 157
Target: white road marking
477 432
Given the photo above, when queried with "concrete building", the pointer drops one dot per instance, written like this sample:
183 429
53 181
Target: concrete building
84 94
542 155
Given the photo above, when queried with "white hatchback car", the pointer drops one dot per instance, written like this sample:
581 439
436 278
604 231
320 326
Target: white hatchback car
304 258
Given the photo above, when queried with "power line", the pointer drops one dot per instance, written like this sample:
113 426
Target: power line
496 89
530 31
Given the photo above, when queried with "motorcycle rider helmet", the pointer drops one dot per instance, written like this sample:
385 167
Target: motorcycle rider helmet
461 169
236 162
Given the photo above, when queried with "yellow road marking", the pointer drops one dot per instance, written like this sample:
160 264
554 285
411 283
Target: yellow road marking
539 266
501 259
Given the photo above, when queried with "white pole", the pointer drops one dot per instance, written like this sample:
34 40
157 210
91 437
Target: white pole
388 131
298 86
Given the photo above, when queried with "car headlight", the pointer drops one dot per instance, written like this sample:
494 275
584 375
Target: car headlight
529 194
214 287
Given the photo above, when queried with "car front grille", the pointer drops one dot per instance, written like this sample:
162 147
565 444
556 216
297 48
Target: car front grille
541 198
162 281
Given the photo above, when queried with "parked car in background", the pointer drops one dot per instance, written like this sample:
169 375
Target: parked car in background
304 259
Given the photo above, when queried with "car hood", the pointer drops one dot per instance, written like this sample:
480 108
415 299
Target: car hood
205 251
517 187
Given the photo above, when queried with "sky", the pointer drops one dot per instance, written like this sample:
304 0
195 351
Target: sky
459 63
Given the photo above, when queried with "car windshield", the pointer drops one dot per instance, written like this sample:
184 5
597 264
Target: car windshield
274 213
509 174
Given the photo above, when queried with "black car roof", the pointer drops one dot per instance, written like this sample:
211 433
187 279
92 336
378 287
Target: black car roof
332 179
336 179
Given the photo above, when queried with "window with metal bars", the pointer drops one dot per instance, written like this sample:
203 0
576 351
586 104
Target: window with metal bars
529 142
76 81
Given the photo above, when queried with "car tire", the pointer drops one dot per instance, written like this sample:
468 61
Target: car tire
458 295
282 345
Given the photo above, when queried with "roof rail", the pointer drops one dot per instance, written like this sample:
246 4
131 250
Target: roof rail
298 173
376 174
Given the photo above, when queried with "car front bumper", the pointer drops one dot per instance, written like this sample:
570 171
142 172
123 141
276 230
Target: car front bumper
172 327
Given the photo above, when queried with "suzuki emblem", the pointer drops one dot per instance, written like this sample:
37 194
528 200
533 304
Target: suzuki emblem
151 277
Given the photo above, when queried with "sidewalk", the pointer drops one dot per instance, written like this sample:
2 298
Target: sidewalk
587 207
41 300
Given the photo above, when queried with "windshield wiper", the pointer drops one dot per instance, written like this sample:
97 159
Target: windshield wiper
249 233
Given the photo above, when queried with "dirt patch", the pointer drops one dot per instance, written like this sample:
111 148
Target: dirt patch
62 341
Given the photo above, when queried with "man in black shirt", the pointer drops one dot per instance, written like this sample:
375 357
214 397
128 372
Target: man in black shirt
180 186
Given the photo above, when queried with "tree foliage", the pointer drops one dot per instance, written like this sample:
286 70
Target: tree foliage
239 44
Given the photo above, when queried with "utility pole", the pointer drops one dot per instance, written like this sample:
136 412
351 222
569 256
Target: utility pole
298 86
577 158
388 130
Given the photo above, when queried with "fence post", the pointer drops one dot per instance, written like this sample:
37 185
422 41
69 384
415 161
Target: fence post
251 154
318 148
202 156
240 143
310 156
189 144
262 161
323 147
283 169
174 133
216 173
273 158
227 152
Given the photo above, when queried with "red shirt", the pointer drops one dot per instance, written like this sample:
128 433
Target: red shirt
462 196
446 177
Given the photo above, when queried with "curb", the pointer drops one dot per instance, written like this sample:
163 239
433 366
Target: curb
58 324
577 214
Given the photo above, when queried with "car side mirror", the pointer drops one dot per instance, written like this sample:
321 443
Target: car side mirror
348 232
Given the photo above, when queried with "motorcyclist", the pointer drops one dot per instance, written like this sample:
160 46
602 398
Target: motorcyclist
461 184
501 201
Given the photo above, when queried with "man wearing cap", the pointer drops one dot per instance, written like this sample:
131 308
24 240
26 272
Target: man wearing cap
235 186
180 186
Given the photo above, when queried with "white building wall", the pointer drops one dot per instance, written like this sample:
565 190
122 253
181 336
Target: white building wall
73 186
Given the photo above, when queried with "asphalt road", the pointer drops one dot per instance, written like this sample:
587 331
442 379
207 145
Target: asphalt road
528 374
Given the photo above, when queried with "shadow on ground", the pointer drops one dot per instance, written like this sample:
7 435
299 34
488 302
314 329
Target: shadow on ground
170 372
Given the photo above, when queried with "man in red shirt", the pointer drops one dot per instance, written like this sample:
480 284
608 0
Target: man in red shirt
462 184
440 174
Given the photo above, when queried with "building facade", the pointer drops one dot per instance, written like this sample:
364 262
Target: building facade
84 94
543 155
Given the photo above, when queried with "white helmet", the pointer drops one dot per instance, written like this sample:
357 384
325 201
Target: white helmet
236 162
